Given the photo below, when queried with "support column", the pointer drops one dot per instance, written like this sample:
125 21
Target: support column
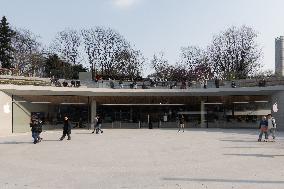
202 115
277 103
5 114
93 112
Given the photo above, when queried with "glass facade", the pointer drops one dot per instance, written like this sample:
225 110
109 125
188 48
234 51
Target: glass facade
139 112
210 112
51 109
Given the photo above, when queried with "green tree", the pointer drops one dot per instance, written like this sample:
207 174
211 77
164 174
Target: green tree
76 69
54 66
6 49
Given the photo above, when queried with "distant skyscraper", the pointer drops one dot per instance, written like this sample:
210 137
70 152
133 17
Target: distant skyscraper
279 56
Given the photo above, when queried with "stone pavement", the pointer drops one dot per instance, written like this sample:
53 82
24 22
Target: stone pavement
156 159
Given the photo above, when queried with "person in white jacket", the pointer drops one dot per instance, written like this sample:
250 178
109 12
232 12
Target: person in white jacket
271 126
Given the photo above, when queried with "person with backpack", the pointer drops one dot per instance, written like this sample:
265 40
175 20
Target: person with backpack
34 131
263 126
271 126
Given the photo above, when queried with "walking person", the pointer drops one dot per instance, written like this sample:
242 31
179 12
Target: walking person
66 129
98 127
39 129
35 131
95 124
271 126
181 123
263 126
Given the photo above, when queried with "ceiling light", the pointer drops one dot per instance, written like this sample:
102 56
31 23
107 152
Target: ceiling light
40 102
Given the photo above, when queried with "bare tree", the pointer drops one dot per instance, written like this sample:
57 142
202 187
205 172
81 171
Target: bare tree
90 40
27 54
102 46
178 72
234 53
129 63
67 46
191 57
196 63
165 71
264 74
161 66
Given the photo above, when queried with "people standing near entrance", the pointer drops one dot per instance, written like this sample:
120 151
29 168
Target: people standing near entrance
263 126
150 124
181 123
98 125
271 126
66 129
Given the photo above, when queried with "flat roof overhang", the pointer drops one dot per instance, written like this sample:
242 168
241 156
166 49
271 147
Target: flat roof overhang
83 91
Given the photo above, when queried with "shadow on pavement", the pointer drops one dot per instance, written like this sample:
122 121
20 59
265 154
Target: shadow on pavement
238 140
84 133
225 180
14 142
255 155
50 140
236 131
241 147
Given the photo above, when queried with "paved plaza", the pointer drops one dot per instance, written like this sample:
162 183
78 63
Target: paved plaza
156 159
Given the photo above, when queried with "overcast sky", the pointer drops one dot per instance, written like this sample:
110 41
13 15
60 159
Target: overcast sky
152 25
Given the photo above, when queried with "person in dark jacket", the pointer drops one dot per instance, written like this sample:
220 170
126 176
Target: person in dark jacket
35 132
66 129
150 124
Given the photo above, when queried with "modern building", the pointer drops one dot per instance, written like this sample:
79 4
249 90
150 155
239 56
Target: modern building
211 107
279 56
223 107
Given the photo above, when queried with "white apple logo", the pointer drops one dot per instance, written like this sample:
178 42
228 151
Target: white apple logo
6 108
275 108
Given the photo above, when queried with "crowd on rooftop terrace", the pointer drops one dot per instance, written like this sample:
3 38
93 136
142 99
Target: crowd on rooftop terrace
139 83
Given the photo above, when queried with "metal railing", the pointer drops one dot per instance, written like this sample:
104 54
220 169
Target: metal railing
115 84
183 85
